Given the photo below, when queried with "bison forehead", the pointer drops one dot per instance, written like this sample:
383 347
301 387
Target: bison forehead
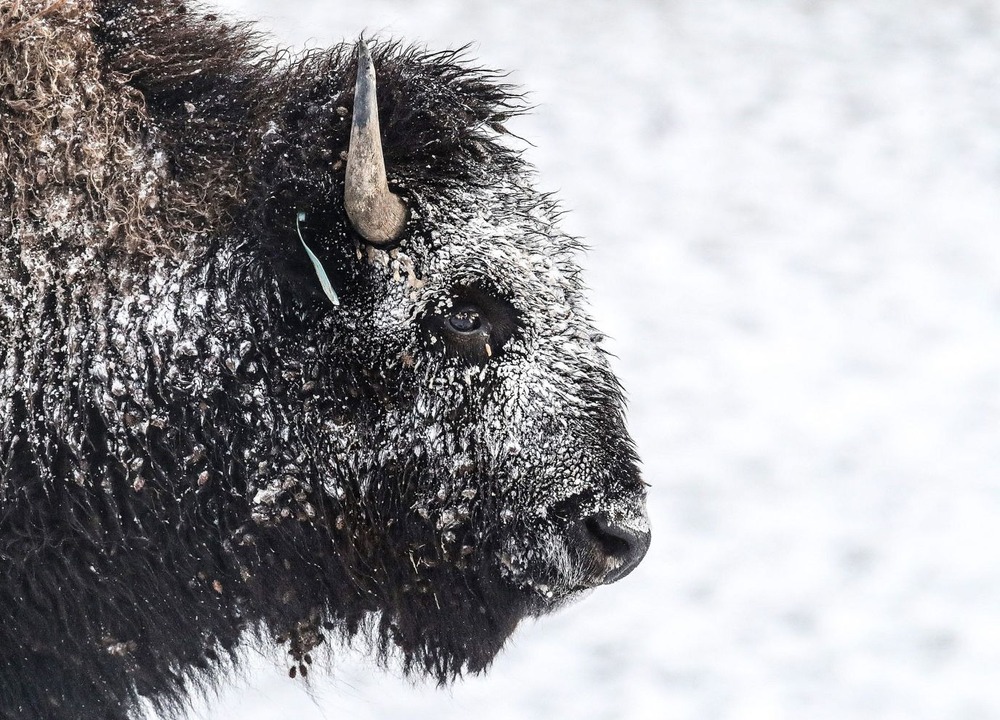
503 238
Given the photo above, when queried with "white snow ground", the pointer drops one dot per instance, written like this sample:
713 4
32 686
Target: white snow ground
793 208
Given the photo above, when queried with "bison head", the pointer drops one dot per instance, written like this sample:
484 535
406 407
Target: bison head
451 398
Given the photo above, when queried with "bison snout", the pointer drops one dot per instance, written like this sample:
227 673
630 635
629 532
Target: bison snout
618 546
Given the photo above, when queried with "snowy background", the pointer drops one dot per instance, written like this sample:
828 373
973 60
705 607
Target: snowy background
794 209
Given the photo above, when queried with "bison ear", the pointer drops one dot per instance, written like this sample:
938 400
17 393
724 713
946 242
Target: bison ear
318 258
321 274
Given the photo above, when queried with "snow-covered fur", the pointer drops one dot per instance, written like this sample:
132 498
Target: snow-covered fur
197 445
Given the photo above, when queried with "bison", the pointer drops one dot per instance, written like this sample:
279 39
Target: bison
290 347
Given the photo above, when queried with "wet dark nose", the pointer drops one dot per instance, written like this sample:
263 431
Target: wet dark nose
623 543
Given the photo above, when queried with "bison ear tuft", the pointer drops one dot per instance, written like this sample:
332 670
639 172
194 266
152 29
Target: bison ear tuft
324 279
308 250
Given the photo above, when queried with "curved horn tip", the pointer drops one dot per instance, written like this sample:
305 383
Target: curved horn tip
377 214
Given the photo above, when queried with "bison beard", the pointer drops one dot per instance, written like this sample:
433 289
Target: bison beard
197 445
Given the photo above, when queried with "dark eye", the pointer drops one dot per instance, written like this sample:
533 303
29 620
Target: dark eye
472 325
465 320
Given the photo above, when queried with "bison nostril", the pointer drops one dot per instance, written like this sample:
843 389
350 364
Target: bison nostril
621 545
611 540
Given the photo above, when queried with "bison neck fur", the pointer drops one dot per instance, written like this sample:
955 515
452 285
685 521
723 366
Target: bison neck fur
195 446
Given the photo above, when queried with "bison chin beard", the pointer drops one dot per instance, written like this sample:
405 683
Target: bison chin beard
444 614
460 629
440 604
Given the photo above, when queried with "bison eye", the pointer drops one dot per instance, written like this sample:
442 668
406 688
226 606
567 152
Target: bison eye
473 325
465 320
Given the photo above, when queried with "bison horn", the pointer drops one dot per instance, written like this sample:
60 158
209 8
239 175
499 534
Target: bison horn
377 214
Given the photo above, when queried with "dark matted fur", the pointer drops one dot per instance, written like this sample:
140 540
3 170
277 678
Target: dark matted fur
153 508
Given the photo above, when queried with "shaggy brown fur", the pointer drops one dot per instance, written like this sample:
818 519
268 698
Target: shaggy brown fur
79 178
